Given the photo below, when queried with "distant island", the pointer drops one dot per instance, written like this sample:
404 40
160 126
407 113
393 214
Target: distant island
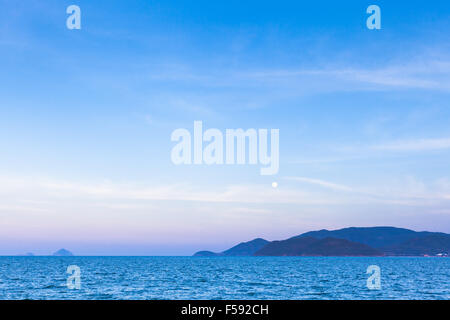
28 254
63 253
351 242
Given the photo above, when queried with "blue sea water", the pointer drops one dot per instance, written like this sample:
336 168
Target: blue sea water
223 278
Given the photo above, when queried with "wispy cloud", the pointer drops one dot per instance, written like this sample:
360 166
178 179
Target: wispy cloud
422 72
120 195
106 191
433 75
415 145
407 190
322 183
381 150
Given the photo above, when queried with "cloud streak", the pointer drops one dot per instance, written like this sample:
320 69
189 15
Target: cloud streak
322 183
51 193
415 145
432 75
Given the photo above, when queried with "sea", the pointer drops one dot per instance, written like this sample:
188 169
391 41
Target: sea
223 278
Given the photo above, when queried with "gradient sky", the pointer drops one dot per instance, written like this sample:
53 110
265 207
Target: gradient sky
86 117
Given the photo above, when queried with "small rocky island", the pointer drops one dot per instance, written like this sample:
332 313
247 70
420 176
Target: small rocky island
63 253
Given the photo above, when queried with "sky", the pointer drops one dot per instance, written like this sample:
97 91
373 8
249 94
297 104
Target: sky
86 118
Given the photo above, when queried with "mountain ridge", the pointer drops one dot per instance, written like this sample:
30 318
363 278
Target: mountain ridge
326 247
352 241
242 249
376 237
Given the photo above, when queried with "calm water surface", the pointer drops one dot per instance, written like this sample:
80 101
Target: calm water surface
223 278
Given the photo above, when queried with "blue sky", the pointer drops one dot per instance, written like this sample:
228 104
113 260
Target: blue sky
86 117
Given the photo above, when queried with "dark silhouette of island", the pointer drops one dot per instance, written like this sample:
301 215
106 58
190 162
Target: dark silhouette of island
63 253
433 244
372 241
317 247
376 237
242 249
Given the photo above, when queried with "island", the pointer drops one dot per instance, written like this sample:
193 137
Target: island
63 253
351 242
